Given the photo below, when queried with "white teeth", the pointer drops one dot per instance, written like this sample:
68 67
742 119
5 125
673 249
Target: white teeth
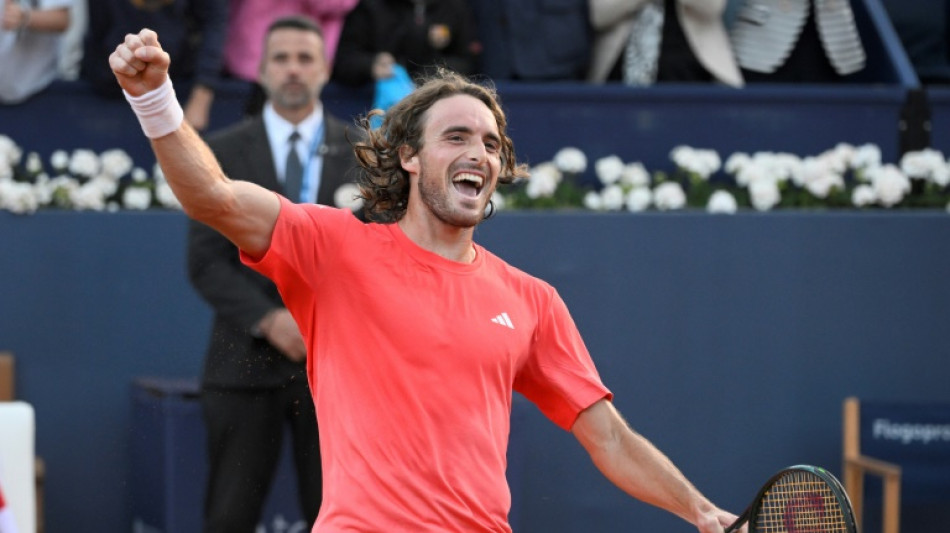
473 178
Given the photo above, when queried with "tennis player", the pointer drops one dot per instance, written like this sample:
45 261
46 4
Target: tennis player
416 335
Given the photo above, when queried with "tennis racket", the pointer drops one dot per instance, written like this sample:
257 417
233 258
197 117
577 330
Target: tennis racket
799 499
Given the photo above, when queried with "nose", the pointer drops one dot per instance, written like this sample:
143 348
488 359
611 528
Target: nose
477 152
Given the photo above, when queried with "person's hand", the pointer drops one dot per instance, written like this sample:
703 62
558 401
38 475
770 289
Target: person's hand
281 330
716 520
198 107
383 66
139 63
13 16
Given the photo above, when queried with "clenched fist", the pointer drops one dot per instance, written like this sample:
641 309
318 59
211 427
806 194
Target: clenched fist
139 63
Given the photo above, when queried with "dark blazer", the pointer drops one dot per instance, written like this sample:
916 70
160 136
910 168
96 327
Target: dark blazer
239 296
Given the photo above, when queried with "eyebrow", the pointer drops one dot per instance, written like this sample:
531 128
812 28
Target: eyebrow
466 129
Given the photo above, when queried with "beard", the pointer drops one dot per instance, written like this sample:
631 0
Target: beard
438 200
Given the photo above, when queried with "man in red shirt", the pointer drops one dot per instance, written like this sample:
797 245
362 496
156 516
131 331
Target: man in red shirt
416 336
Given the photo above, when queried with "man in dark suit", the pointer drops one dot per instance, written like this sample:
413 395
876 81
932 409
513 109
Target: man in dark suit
255 381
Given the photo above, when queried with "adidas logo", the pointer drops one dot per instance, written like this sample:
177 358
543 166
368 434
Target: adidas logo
504 320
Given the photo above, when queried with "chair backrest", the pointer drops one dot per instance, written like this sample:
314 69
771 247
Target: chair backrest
915 436
6 377
17 457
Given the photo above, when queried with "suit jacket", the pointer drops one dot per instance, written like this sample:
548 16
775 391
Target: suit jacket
702 24
239 296
766 31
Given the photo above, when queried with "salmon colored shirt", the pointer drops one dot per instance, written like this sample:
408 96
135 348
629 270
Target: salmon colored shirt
412 360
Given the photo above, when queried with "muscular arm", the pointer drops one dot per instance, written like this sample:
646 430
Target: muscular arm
243 212
638 468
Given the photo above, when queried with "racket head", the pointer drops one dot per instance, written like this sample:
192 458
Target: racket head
801 499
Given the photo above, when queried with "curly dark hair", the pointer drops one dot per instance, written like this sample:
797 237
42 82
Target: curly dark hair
384 184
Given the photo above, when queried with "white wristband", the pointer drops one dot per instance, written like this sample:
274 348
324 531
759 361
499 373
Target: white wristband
158 110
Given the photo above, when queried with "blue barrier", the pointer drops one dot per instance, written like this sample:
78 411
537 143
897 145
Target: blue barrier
729 341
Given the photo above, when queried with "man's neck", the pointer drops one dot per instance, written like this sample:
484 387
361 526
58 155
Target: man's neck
451 242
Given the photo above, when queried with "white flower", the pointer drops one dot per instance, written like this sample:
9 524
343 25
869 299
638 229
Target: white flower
348 196
818 175
499 201
639 199
669 195
922 164
17 197
722 202
612 198
84 163
34 164
866 156
570 160
736 162
635 175
165 196
139 175
59 160
764 194
593 201
543 181
158 173
116 163
890 184
609 169
139 198
88 196
698 161
10 152
863 195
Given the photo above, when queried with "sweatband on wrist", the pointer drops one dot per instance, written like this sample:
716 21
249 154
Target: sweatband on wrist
158 110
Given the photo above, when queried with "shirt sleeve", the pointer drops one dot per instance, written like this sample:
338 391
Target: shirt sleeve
559 375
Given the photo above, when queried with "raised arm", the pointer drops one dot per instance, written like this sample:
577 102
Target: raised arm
243 212
638 468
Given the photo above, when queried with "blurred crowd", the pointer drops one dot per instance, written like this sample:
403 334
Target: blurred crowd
631 42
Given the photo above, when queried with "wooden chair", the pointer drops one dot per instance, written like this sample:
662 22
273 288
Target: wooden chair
856 466
905 444
8 394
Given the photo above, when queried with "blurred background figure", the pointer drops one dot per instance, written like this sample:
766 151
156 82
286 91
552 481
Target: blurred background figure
30 35
193 33
922 27
415 34
812 41
528 40
642 42
254 383
249 19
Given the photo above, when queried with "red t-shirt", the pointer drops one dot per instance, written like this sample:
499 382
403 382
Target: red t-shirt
412 359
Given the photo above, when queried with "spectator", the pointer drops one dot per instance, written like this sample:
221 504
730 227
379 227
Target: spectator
922 27
416 34
528 40
194 32
648 41
255 381
780 40
248 23
29 46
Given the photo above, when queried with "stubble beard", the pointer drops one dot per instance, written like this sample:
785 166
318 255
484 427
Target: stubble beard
438 201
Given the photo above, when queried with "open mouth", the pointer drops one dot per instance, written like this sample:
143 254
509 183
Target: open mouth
468 184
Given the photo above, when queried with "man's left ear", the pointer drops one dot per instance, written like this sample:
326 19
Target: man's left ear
408 159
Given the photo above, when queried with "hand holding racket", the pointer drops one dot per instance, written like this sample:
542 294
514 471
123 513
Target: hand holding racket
799 499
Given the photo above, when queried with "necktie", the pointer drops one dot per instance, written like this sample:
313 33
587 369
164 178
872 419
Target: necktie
293 171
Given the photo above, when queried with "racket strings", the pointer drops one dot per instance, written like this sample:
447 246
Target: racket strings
800 502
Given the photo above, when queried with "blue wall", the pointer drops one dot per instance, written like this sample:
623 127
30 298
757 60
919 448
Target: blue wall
729 341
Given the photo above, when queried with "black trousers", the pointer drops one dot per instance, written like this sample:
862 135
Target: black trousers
245 431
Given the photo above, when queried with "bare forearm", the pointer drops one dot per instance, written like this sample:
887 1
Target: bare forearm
638 468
